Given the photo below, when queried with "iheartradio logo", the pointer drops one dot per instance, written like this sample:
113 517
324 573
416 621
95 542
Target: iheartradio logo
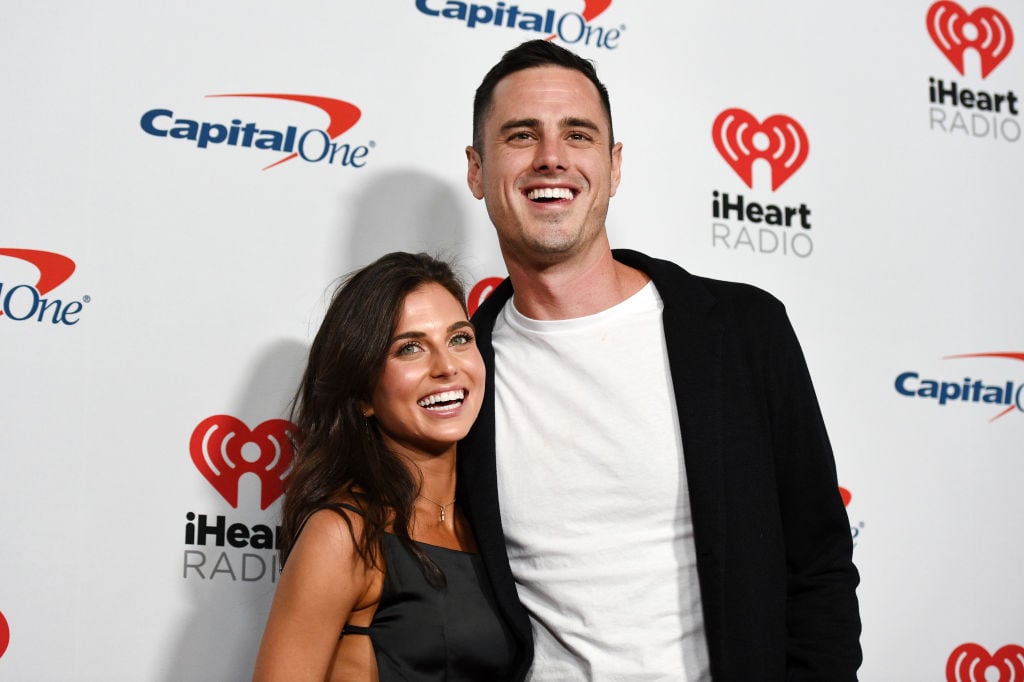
480 291
985 30
972 663
779 140
5 634
223 448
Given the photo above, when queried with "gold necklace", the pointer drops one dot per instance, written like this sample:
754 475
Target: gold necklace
440 506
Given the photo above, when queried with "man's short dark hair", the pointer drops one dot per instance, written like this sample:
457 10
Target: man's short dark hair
526 56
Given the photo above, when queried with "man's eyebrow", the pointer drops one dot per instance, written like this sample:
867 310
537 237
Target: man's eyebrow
567 122
573 122
519 123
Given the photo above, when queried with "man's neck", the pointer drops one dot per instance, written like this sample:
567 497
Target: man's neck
572 289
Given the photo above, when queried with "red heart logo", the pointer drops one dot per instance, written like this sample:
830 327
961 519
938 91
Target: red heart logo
480 291
971 662
783 144
985 29
5 634
216 447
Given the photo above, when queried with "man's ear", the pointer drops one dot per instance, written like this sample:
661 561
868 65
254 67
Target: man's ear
474 172
616 167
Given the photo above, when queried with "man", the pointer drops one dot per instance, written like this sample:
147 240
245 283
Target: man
650 474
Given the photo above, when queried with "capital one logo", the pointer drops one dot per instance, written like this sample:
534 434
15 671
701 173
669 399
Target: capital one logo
972 663
855 528
570 27
223 449
315 145
985 30
741 140
1005 395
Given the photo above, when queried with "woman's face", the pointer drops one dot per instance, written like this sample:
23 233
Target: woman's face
430 391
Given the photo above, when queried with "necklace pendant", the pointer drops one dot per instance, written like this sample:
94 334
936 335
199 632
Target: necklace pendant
442 513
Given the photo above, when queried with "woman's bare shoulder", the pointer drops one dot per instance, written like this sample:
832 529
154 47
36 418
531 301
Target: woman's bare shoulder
337 524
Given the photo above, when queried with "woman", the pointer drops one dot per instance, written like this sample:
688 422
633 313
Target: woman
380 578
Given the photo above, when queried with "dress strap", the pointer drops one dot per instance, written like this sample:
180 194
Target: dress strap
337 506
354 630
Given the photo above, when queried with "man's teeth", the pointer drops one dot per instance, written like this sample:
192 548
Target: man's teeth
549 193
445 397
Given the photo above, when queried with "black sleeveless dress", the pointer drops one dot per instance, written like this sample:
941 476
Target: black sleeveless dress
424 634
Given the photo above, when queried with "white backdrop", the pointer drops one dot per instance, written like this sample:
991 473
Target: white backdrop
200 277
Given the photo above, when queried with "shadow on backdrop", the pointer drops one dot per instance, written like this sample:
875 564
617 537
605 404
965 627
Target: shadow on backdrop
402 211
398 211
219 636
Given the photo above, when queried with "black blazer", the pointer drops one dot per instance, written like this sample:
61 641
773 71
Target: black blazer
774 549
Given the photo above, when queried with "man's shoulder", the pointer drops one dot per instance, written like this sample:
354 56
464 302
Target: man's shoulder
677 285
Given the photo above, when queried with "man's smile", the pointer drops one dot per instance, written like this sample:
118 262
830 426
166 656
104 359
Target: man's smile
547 194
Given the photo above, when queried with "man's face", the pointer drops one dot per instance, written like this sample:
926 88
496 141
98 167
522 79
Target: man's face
546 169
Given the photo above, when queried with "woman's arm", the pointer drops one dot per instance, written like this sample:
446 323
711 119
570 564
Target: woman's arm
323 583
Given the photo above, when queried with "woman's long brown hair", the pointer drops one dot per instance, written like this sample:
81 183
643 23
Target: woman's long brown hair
338 451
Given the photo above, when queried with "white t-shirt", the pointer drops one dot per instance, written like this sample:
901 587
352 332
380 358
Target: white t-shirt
594 502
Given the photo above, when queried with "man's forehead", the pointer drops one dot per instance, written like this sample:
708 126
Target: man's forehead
526 93
547 77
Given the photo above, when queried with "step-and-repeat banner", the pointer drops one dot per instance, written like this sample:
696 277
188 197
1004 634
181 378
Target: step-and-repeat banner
183 184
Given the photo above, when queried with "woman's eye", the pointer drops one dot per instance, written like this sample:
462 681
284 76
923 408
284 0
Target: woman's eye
461 339
407 349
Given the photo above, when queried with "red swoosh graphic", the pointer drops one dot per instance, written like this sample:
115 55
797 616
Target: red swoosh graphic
591 10
1005 412
1008 356
341 115
54 269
